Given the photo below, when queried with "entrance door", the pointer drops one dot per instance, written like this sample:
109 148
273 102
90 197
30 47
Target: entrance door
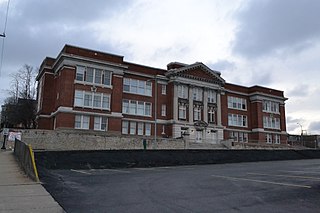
198 136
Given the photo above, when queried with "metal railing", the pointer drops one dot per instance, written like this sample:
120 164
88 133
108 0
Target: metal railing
25 156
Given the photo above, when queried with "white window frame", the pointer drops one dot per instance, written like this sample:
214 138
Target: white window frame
197 94
237 120
147 129
211 115
133 107
183 91
133 127
271 106
140 128
163 110
271 122
99 122
84 121
197 113
80 101
182 111
135 86
237 103
277 139
212 96
163 89
125 127
82 75
269 138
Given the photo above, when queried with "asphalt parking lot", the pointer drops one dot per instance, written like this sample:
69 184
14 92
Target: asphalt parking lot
273 186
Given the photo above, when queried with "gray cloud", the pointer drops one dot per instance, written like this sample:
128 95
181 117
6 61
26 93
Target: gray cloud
314 127
301 90
222 65
271 25
37 29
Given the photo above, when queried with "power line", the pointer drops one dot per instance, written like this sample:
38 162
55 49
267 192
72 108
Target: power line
4 35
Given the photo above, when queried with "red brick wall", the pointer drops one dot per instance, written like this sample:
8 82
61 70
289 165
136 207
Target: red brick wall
65 120
92 54
114 124
116 97
45 123
48 98
65 87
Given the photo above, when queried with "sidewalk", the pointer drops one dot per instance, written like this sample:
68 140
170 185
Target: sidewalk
20 194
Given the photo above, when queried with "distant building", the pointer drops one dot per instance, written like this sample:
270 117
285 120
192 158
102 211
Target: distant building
92 90
310 141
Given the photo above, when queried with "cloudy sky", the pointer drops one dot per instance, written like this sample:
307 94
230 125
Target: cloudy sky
272 43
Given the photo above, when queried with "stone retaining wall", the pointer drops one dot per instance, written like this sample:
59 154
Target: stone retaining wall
91 140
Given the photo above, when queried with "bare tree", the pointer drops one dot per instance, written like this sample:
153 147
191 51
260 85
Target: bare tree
23 83
21 106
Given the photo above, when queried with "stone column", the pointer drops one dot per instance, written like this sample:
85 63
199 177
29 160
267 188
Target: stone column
205 105
190 105
219 109
175 102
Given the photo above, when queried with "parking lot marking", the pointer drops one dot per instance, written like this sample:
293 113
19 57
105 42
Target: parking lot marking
300 172
288 176
144 169
115 170
262 181
80 171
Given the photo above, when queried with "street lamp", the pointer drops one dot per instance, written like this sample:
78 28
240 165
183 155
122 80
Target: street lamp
301 133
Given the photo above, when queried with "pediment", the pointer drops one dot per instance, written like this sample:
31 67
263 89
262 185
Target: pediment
198 71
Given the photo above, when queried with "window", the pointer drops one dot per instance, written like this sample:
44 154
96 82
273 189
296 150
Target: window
147 111
98 76
133 107
136 107
87 99
237 120
106 78
197 94
211 115
241 137
97 100
93 75
81 122
163 89
125 106
106 101
133 128
78 98
270 106
182 111
271 122
237 103
197 113
163 110
80 73
140 128
100 123
89 75
183 91
137 86
125 127
211 96
91 100
140 110
148 129
269 138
